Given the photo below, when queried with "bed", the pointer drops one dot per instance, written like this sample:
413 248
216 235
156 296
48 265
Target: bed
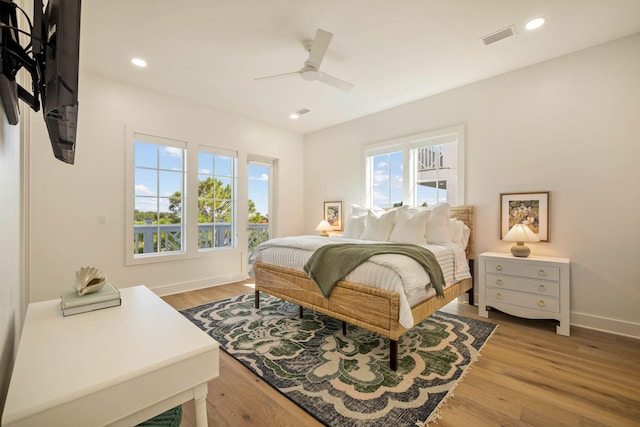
372 308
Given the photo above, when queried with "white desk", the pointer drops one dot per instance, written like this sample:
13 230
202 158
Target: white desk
117 366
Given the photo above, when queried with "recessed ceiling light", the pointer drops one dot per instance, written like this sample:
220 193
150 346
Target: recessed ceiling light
534 23
139 62
294 116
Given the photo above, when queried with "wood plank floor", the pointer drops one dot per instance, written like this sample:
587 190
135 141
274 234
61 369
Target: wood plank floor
526 376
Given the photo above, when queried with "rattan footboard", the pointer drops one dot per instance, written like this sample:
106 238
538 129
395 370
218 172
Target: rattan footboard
377 310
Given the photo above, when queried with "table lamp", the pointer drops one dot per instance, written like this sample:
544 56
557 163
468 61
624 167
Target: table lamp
520 233
323 227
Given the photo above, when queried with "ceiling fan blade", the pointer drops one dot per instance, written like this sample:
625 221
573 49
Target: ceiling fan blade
319 47
334 81
278 76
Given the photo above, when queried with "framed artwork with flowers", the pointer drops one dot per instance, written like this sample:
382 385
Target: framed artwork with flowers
333 214
531 209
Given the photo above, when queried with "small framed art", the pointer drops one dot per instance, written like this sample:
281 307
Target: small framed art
333 214
525 208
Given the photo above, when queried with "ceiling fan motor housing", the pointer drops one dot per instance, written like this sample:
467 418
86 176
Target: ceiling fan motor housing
309 72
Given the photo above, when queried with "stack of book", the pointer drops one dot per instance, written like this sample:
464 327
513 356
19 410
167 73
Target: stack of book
72 303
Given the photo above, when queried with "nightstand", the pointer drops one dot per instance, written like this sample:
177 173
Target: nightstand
535 287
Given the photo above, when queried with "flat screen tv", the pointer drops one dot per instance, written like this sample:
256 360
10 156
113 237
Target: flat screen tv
52 60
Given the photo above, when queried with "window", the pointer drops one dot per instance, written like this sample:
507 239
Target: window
419 170
159 169
261 176
386 179
216 198
178 211
435 166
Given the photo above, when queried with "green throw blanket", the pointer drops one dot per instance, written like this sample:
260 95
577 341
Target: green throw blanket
331 263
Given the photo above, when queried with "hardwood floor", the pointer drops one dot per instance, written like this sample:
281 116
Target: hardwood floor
526 375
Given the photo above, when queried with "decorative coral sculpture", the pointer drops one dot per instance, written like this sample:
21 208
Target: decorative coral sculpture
88 280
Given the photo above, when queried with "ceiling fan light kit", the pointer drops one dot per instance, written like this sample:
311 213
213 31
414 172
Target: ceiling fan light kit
317 48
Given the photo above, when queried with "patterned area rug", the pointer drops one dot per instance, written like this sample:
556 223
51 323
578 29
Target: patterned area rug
345 380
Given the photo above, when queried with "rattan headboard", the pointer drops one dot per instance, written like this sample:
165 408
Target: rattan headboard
466 215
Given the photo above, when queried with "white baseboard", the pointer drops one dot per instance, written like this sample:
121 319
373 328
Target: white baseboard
603 324
174 288
612 326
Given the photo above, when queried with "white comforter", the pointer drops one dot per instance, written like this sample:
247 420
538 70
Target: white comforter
392 272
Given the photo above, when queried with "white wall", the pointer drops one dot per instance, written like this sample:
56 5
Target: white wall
10 249
569 126
66 200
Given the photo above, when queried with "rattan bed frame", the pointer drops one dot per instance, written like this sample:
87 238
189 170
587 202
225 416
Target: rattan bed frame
373 309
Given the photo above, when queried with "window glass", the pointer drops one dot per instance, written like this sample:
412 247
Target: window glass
216 200
387 179
260 177
158 184
436 170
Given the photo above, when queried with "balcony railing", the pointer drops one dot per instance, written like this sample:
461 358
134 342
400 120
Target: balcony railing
153 238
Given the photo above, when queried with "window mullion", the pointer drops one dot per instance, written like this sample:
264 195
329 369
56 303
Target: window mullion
190 202
408 176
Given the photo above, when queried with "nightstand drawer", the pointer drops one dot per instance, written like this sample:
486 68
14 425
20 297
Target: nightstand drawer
533 286
532 270
522 299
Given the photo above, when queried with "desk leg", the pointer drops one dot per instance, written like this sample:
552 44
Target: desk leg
200 399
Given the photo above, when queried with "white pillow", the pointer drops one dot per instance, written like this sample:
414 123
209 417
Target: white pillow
354 227
378 227
438 229
410 226
459 233
357 210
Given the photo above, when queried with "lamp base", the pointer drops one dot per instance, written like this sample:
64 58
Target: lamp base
520 250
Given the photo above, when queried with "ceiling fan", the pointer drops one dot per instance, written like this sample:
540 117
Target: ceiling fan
311 69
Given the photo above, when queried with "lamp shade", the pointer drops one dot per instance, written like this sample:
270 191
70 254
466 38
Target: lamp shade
520 233
324 226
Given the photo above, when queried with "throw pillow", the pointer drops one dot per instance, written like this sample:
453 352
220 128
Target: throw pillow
410 226
438 229
354 227
378 227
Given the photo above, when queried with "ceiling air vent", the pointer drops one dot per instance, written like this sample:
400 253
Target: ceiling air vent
499 35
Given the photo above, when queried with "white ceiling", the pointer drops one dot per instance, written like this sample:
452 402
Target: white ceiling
393 52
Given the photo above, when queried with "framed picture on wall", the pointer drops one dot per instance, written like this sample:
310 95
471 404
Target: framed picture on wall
531 209
333 214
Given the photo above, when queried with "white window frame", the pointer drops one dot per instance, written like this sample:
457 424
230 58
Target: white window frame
406 145
190 248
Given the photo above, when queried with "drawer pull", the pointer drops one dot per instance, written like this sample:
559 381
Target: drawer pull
499 282
542 288
541 303
499 267
542 273
498 295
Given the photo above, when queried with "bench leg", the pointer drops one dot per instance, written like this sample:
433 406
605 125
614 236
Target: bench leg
200 398
257 299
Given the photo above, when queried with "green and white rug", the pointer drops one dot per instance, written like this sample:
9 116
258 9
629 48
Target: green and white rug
345 380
